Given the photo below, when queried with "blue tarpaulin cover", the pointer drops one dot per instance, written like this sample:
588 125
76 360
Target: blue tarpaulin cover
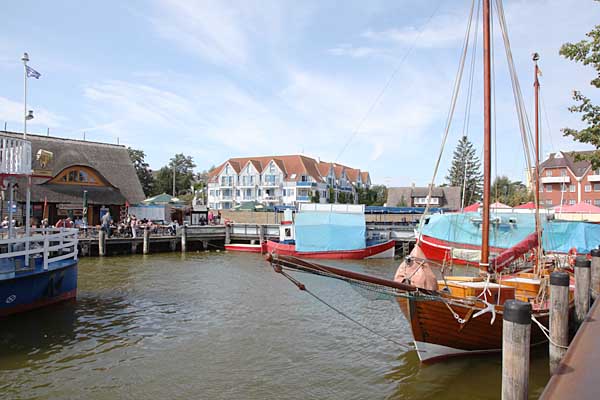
329 231
558 236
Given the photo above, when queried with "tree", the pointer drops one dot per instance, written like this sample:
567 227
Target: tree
142 170
464 158
509 192
331 198
316 197
184 175
402 202
586 52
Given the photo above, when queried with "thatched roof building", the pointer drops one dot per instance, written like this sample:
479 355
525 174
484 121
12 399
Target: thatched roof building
64 168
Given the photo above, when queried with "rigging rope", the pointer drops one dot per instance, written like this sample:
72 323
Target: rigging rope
455 93
388 82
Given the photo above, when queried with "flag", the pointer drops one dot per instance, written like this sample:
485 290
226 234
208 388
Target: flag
32 73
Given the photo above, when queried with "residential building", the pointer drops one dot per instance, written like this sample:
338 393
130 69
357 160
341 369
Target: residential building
282 180
412 196
64 168
563 180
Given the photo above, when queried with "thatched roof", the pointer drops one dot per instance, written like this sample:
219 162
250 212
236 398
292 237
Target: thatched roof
111 161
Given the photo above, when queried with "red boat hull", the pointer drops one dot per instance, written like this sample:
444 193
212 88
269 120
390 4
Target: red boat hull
441 250
248 248
382 250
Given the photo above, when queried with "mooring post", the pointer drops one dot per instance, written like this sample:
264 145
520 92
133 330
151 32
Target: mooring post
184 238
516 336
261 233
227 234
582 288
101 243
559 317
146 246
134 246
595 273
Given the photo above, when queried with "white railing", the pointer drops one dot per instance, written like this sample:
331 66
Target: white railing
15 156
54 244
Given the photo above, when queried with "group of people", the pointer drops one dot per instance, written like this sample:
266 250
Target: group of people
213 219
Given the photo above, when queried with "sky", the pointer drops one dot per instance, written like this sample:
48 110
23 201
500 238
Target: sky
364 83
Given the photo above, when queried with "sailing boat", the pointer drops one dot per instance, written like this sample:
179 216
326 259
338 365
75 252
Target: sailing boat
459 315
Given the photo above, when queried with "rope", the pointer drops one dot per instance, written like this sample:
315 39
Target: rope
546 332
388 82
453 102
343 314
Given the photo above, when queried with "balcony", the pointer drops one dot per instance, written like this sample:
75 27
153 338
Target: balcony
593 178
271 198
15 156
556 179
302 198
306 184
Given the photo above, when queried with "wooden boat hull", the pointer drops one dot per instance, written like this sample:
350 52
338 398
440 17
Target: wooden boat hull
245 247
438 334
381 250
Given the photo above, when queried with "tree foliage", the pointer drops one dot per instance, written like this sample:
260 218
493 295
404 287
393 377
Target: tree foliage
142 170
586 52
512 193
184 175
464 157
376 195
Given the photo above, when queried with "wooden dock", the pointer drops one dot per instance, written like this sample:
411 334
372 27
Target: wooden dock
212 237
576 376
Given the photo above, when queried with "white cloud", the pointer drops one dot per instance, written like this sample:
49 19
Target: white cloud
355 51
12 111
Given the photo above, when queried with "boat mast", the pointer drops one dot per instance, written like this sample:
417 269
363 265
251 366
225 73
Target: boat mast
536 85
487 125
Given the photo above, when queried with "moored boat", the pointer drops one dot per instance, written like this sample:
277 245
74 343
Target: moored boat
246 247
38 267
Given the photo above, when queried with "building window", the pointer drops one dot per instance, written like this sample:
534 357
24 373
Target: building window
588 188
548 202
549 173
596 187
571 202
78 175
563 188
597 202
572 188
588 202
548 188
563 172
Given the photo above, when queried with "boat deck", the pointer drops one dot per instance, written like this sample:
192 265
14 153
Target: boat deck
38 268
577 375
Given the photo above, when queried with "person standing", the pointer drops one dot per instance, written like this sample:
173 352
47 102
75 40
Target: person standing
106 219
133 225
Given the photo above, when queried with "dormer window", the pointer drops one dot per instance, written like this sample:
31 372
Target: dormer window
549 173
78 175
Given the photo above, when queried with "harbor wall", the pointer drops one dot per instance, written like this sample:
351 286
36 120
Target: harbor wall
254 217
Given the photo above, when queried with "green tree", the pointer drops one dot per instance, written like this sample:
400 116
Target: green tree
316 197
509 192
331 195
183 167
465 158
142 170
586 52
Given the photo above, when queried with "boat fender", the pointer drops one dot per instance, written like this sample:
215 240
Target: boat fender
572 255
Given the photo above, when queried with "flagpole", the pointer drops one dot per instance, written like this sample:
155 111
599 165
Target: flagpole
25 59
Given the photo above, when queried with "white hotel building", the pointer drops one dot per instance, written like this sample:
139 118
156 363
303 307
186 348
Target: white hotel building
281 180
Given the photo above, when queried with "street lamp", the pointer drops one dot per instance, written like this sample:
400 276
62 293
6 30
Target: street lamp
29 116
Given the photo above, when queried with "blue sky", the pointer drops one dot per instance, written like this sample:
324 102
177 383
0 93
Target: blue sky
218 79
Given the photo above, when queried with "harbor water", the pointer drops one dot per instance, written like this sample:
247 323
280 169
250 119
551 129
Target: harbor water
224 326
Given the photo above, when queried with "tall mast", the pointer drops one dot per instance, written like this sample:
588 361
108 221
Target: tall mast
487 134
536 177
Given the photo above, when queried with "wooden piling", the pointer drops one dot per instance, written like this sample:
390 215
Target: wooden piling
146 246
516 334
595 273
134 246
559 317
101 243
227 234
261 234
582 288
184 238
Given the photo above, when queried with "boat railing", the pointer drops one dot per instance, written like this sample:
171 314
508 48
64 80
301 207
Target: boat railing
51 244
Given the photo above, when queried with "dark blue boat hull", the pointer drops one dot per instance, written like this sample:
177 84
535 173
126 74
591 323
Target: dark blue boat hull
23 291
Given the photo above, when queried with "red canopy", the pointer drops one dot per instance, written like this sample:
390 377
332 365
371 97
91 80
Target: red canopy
499 205
580 208
473 207
527 206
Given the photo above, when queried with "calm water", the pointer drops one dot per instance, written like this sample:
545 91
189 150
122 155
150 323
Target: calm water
225 326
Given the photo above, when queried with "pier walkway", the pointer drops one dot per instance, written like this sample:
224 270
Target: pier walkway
577 376
207 237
